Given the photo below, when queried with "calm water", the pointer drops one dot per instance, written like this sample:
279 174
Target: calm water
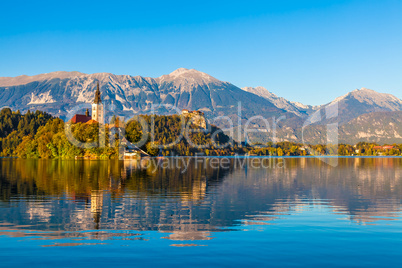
204 212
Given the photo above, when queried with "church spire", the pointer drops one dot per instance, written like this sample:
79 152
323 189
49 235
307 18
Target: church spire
97 95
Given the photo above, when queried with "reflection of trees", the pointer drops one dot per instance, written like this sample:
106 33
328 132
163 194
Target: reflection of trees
52 177
108 194
191 201
79 178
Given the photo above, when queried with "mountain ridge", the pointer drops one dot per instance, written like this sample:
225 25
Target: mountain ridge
294 107
60 92
184 88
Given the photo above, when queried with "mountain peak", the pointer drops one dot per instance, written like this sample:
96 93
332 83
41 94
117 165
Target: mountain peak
180 71
372 100
363 89
183 75
188 72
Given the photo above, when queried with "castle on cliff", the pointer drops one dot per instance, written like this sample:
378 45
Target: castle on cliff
196 117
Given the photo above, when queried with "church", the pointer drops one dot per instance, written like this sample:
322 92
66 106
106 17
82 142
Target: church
97 115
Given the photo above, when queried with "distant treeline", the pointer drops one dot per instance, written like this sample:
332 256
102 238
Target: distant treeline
296 149
40 135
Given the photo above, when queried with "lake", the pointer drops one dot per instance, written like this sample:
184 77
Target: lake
197 212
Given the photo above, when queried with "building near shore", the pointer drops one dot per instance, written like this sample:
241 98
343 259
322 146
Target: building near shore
97 108
81 118
97 115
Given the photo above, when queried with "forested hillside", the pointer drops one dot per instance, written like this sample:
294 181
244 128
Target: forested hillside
14 127
39 135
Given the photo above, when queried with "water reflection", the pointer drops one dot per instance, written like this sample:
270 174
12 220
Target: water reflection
188 199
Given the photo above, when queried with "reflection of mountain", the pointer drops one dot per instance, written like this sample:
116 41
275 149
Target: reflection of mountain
191 200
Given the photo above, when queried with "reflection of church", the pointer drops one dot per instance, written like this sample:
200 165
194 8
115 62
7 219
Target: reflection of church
96 206
98 115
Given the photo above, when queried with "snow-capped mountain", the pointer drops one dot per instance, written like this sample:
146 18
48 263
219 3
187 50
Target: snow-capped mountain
362 101
62 92
372 98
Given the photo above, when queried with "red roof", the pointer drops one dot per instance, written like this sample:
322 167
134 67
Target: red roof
80 118
91 122
386 147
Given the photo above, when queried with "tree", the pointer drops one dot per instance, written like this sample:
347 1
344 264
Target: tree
152 149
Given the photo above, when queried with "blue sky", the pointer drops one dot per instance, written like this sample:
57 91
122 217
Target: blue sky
309 51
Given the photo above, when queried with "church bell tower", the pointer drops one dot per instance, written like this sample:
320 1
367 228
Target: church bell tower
97 107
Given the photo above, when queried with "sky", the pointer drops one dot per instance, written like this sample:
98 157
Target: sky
308 51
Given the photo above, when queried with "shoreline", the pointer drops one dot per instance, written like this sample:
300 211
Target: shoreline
203 156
